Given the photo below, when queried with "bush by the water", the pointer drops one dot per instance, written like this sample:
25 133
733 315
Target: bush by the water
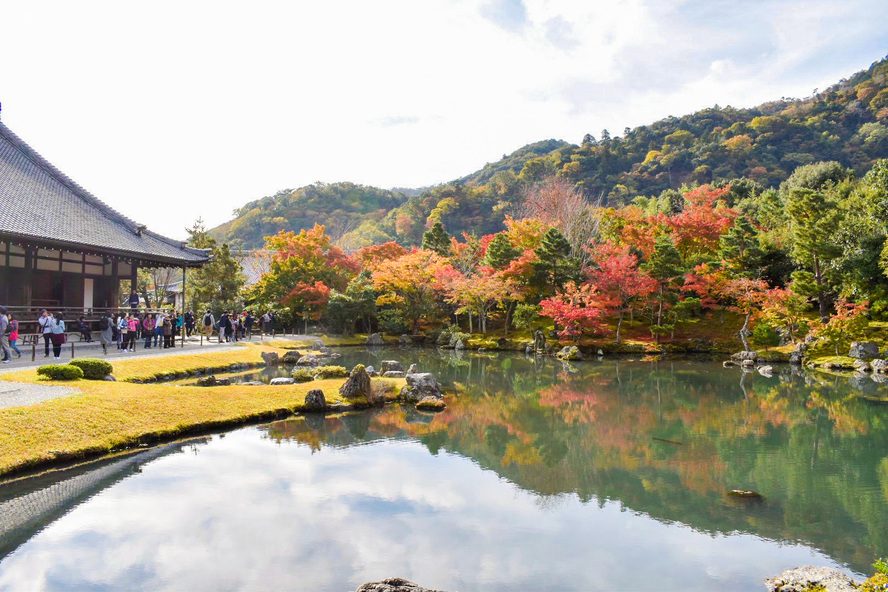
93 369
322 372
60 372
765 335
302 374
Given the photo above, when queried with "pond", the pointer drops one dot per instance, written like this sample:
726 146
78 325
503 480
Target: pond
601 475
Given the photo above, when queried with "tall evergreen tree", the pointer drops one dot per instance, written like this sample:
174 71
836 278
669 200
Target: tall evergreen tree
665 266
555 261
436 239
500 252
217 284
741 249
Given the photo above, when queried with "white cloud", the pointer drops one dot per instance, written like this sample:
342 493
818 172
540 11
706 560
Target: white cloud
196 108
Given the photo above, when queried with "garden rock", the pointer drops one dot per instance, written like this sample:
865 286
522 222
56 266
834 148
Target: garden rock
213 381
766 371
110 378
864 350
315 400
291 357
879 366
372 371
571 352
747 363
281 381
393 585
390 365
405 340
317 345
745 355
325 350
862 366
308 360
357 385
375 339
412 369
528 351
393 374
420 386
270 358
729 364
459 344
334 356
796 358
430 404
809 576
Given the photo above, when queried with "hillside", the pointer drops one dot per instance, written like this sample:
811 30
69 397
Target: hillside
847 122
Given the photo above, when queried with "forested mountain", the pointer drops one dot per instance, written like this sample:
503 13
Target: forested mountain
847 123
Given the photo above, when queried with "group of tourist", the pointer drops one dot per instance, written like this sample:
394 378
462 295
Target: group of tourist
231 326
123 330
155 329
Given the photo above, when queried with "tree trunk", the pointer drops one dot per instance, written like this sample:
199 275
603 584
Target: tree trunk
619 324
470 321
744 332
821 299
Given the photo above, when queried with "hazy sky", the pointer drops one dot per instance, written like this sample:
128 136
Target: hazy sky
172 110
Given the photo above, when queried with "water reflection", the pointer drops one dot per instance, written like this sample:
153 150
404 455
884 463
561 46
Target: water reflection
541 476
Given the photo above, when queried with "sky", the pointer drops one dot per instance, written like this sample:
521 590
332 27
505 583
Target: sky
170 111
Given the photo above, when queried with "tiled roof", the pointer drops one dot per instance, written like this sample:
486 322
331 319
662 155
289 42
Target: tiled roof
39 202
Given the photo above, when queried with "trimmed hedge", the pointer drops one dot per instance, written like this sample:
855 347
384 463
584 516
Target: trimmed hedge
60 372
302 375
322 372
93 369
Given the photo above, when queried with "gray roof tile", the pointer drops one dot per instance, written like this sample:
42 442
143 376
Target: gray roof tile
40 202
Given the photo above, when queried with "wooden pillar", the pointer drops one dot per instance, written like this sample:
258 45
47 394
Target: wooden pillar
184 301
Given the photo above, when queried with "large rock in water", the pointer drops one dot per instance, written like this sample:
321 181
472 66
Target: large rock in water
291 357
393 585
317 345
431 404
864 350
420 386
357 385
270 358
308 360
742 356
571 352
879 365
375 339
809 576
315 400
387 365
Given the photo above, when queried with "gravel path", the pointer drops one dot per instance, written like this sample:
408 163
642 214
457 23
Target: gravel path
17 394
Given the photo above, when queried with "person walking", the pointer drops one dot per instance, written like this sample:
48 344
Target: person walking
167 331
4 336
133 300
44 326
189 323
13 333
58 336
209 323
248 324
106 332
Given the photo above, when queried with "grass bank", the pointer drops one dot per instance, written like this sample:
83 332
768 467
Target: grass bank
108 416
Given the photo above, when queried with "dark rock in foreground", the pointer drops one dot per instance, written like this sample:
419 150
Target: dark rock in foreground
291 357
864 350
393 585
809 576
357 385
315 400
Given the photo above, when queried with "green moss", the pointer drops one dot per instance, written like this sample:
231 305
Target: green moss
322 372
302 374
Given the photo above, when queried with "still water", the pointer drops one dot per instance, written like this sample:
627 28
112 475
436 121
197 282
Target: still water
602 475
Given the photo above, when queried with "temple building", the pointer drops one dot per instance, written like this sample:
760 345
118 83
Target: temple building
62 248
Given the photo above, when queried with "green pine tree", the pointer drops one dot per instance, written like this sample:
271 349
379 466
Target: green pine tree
555 262
500 252
741 249
217 284
436 239
665 266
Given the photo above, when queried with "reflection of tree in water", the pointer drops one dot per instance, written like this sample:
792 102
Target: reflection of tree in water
667 439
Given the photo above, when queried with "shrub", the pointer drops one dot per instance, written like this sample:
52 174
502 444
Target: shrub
93 369
765 335
322 372
60 372
302 375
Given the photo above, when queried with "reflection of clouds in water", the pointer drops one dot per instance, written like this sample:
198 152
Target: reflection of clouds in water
247 515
